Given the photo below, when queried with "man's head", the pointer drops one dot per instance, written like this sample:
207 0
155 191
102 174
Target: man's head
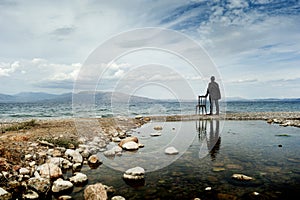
212 79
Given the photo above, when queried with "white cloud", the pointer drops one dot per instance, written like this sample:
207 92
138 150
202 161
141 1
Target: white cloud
7 69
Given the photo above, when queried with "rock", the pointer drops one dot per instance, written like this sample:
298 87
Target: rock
130 146
218 169
77 167
241 177
60 162
41 185
65 197
49 170
109 153
128 139
171 151
4 166
75 155
134 173
28 157
155 134
61 185
78 178
94 159
4 195
157 128
138 117
45 143
24 171
30 194
118 198
95 192
116 139
56 153
85 153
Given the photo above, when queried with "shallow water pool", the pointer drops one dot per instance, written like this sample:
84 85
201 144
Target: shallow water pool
210 152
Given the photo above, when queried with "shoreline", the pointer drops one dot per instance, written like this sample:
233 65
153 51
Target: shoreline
26 146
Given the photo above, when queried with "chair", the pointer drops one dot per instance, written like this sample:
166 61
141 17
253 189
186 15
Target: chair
201 106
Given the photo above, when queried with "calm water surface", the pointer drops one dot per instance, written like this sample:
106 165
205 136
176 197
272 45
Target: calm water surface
210 153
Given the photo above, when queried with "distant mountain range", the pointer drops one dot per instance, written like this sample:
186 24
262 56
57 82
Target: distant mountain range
27 97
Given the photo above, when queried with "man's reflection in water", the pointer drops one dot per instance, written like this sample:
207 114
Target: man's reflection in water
213 139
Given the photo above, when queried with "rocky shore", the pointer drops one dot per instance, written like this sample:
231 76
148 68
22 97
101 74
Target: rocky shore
34 155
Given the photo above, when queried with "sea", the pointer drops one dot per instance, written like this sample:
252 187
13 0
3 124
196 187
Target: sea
10 112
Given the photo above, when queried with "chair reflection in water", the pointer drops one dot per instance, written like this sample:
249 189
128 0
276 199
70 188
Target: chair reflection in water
212 139
201 106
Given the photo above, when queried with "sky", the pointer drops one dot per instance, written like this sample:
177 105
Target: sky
253 47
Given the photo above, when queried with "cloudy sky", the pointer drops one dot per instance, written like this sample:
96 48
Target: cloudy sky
254 45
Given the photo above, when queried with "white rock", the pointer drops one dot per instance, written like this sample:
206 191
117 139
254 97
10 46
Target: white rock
24 171
30 194
241 177
155 134
4 194
49 170
60 162
134 173
76 156
61 185
157 128
130 146
109 153
171 151
118 198
95 192
78 178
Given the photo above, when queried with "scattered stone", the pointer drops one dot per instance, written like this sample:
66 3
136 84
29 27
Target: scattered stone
241 177
49 170
28 157
130 146
60 162
171 151
157 128
218 169
4 194
56 153
116 139
283 135
61 185
234 166
45 143
134 173
79 178
138 117
41 185
24 171
280 145
207 188
95 192
77 167
118 198
65 197
30 194
109 153
94 159
155 134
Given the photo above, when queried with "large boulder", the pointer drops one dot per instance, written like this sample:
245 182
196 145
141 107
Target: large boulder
49 170
79 178
41 185
75 155
129 139
130 146
95 192
61 185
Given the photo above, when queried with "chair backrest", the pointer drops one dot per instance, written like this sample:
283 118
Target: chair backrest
202 100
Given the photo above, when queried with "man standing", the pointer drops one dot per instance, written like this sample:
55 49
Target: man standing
214 95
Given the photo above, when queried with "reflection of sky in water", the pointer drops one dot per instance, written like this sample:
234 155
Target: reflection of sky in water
248 147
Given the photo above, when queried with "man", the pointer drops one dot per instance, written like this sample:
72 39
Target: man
214 95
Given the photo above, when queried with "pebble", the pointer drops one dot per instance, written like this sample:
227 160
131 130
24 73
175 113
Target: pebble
171 151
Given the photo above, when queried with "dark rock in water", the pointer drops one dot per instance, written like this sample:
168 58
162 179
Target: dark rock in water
280 145
95 192
223 196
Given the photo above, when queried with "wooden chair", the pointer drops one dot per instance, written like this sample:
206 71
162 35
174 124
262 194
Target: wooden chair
201 106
